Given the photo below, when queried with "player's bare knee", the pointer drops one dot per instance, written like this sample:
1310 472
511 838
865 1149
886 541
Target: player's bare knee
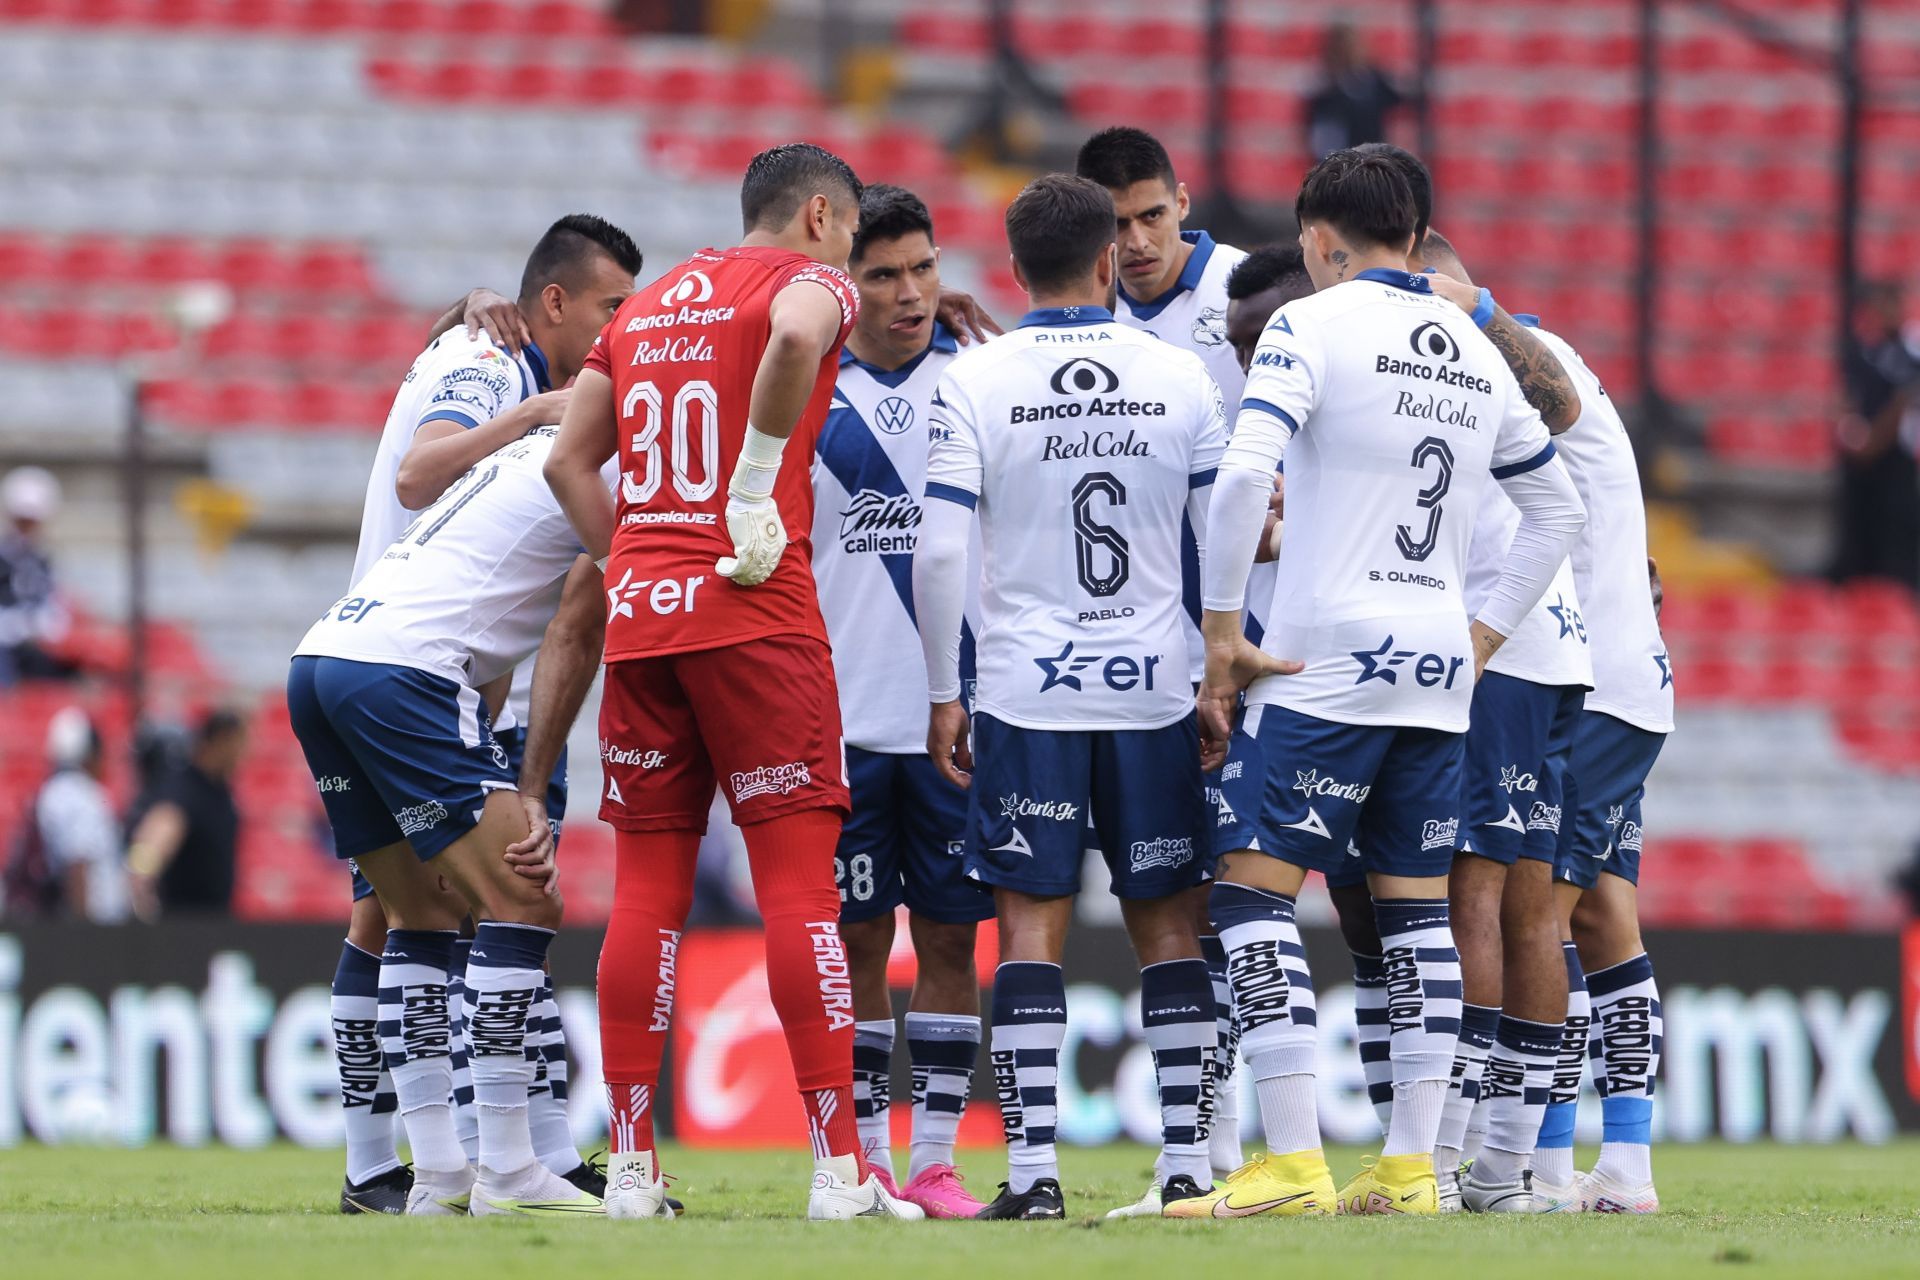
1161 929
868 942
367 924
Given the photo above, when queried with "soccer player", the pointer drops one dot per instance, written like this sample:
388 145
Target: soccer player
1366 740
1078 443
1173 284
384 695
1475 898
718 667
1266 280
903 840
464 397
1525 709
1613 998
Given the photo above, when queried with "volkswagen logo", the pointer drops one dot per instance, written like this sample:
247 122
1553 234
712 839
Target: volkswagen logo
894 415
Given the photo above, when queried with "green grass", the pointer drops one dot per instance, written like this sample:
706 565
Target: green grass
163 1212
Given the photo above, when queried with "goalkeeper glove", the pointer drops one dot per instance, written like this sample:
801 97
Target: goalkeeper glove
753 518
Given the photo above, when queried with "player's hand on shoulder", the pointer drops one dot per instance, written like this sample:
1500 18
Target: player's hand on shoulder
498 315
533 856
1464 296
947 728
965 318
547 408
759 539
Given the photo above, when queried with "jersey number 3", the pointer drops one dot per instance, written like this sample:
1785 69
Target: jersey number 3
696 430
1432 449
1094 542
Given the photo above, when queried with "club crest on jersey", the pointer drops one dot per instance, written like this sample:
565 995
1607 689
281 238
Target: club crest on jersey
1210 327
894 415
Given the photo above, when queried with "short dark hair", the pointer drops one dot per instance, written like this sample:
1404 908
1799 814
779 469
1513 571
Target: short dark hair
1364 197
1419 179
1117 158
1057 228
780 179
888 212
1266 268
1434 245
563 252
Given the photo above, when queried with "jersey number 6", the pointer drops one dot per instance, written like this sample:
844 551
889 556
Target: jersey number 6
1091 538
694 399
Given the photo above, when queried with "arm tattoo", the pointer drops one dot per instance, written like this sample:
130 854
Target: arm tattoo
1542 378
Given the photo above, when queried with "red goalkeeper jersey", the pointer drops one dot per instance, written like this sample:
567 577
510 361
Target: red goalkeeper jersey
682 353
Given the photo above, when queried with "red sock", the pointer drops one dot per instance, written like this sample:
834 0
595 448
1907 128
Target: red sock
807 975
652 891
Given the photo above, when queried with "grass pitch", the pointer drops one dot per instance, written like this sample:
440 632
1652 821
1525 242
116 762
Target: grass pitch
163 1212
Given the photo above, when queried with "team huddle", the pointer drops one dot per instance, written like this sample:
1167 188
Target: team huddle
1226 567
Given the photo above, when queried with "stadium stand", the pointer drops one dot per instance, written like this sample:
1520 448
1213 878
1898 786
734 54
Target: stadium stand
347 167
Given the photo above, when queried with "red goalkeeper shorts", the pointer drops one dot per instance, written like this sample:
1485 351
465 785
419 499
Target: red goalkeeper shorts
760 719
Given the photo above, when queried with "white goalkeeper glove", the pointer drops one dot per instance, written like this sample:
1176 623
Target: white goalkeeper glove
753 518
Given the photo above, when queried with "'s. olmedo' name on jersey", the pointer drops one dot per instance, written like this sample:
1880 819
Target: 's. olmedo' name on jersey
1383 481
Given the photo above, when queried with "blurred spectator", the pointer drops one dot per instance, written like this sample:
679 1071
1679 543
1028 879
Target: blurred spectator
31 617
1878 515
1350 106
67 861
186 828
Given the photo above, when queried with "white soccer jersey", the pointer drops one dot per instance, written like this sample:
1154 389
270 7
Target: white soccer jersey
468 588
1401 413
869 472
1551 645
1192 314
1632 677
456 379
1081 441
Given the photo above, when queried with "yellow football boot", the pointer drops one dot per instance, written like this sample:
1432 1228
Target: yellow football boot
1392 1184
1282 1186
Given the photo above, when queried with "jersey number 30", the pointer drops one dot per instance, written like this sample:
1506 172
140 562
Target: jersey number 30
1432 449
696 430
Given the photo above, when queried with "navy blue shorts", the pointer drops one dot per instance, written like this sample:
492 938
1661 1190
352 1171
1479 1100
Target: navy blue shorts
1606 780
905 841
514 741
1328 789
1517 753
1034 789
398 754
